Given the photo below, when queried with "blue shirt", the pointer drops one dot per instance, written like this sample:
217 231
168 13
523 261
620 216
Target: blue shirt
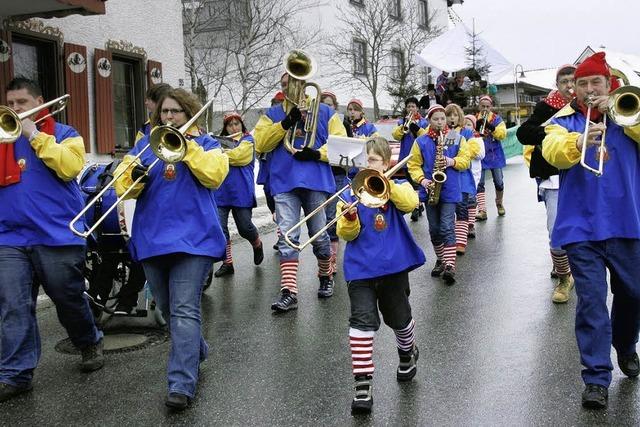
451 189
494 154
407 140
237 189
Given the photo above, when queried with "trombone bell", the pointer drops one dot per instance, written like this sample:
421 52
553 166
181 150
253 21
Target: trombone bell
10 125
371 188
168 144
624 106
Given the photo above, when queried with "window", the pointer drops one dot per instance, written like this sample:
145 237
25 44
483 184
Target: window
397 64
395 9
423 13
128 93
357 2
359 57
35 58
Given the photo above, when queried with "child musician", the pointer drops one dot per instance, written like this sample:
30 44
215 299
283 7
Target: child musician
379 255
476 171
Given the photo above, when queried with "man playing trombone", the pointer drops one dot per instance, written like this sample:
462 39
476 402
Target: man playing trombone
40 195
598 224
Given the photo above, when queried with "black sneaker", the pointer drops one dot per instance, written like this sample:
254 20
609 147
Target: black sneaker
407 367
325 290
224 270
286 301
258 255
363 400
415 214
471 233
177 401
438 269
554 274
92 357
595 396
449 275
8 391
275 245
629 365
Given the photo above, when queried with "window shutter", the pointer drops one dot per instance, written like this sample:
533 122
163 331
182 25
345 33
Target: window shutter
105 134
6 64
154 73
77 85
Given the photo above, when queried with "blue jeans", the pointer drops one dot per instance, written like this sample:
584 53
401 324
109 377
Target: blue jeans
498 180
242 217
462 208
176 282
288 214
595 332
550 198
442 219
59 270
330 210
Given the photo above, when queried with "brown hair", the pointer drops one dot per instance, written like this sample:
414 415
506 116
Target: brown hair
156 92
378 145
188 102
458 110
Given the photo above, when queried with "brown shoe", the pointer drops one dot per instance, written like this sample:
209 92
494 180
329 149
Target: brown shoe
562 291
481 216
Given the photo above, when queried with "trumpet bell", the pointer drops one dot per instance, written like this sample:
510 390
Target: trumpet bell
168 144
10 125
299 65
624 106
371 188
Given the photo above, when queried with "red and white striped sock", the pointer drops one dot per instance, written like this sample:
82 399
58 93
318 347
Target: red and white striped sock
228 258
406 337
439 250
324 267
450 256
560 262
361 343
482 206
256 243
462 228
472 215
289 275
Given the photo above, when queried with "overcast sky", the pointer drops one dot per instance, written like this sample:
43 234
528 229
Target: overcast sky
548 33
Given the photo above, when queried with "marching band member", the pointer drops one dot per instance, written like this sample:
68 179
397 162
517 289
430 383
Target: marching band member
177 235
493 131
40 196
379 255
329 98
598 225
237 192
360 126
299 180
417 127
154 94
531 134
476 170
456 156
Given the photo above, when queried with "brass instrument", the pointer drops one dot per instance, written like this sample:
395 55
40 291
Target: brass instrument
11 122
485 116
370 187
301 67
406 126
623 107
438 176
167 142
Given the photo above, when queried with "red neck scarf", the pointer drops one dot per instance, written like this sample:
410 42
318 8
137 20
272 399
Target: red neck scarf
596 115
556 100
433 134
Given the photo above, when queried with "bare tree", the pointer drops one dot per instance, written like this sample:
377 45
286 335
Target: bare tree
478 66
370 26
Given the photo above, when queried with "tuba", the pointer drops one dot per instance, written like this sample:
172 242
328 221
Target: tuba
11 122
438 176
301 67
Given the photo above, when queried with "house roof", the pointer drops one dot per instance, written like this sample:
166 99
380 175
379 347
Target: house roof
544 79
627 63
50 8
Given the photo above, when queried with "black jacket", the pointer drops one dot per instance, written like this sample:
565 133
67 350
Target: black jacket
532 133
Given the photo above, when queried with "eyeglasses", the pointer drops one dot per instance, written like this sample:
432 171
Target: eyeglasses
566 81
173 111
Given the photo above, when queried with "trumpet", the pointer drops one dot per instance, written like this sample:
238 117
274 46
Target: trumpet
485 116
370 187
11 122
301 67
406 126
167 142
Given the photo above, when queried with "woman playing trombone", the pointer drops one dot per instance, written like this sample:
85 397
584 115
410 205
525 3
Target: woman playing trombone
176 233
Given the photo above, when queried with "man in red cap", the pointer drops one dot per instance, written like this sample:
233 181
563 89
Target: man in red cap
531 134
598 224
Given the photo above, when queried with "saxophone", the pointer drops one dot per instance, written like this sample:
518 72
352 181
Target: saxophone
438 177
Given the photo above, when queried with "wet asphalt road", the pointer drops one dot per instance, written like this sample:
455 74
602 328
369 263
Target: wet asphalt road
494 350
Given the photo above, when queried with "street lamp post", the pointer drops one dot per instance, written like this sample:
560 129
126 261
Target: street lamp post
515 90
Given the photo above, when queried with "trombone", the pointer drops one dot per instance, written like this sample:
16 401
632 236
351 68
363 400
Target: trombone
301 67
370 187
11 122
167 142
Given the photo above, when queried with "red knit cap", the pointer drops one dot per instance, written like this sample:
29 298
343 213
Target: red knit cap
433 109
231 115
486 98
472 119
357 102
595 65
279 96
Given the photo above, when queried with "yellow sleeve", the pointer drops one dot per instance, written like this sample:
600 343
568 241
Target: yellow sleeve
336 127
559 147
242 155
125 181
397 133
267 134
468 150
527 152
422 131
500 132
209 167
633 132
345 229
415 164
65 159
324 155
403 196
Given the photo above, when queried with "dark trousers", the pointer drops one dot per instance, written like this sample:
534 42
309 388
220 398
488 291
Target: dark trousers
106 271
595 331
389 294
242 217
